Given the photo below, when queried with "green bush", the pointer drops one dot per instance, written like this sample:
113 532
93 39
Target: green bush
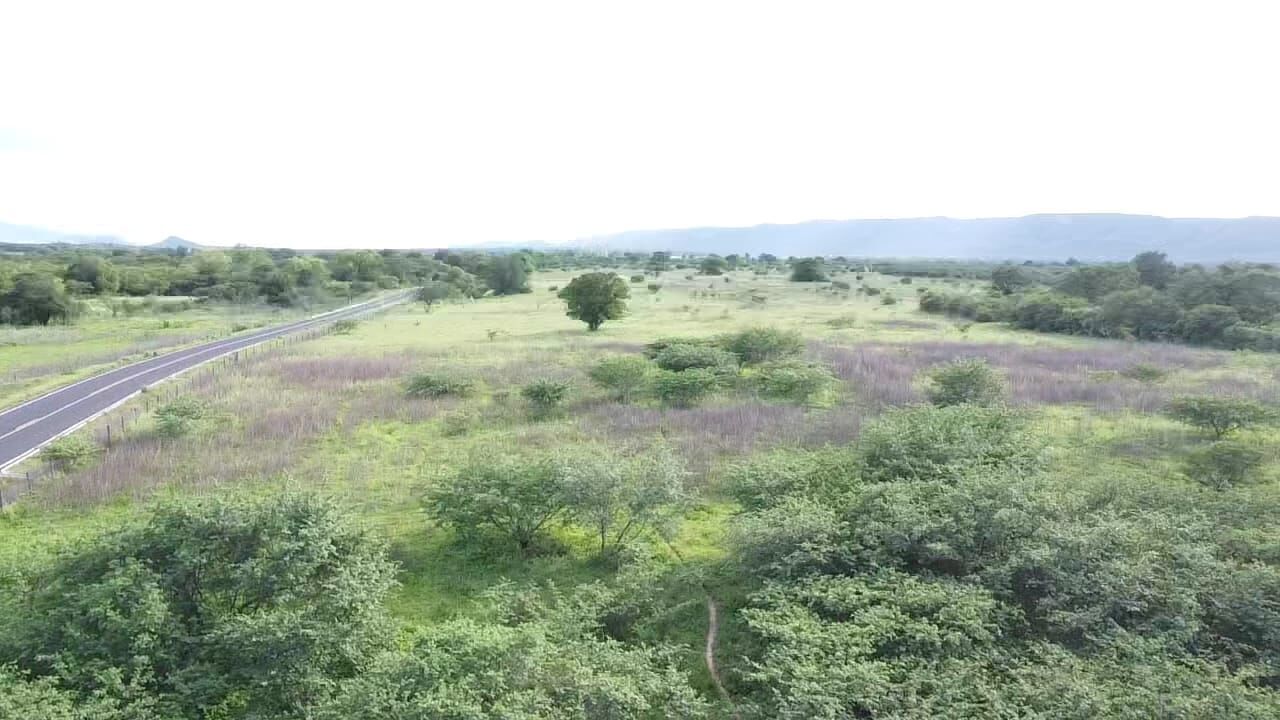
686 388
345 327
765 480
888 299
545 395
513 496
180 417
624 376
651 349
1143 372
1220 416
792 380
71 452
435 385
945 443
677 358
654 287
763 344
965 381
213 602
1224 464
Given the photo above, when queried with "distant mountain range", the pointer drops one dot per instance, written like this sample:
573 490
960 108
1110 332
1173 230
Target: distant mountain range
1089 237
27 235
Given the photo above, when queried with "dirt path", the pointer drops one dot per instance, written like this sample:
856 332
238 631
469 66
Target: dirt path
713 630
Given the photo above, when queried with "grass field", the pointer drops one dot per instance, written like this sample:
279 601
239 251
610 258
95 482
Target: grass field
332 414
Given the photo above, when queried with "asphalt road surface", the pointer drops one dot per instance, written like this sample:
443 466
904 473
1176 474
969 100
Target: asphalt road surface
26 428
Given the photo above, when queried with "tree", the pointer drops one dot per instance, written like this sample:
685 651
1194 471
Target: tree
547 660
621 499
808 270
713 265
96 272
1093 282
36 299
1154 269
1009 279
965 381
517 497
1145 313
1207 324
625 376
595 297
1219 415
433 291
224 602
1224 464
545 396
659 262
508 274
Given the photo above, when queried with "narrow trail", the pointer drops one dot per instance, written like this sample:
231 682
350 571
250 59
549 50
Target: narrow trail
713 630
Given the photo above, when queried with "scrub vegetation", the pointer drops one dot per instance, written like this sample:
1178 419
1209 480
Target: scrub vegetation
533 501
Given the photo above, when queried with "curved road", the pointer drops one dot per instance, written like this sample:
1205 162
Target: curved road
26 428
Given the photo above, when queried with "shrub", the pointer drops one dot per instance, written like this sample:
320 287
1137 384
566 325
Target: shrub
345 327
687 388
624 376
637 278
764 481
888 299
70 452
652 349
459 422
764 344
840 285
1224 464
844 322
792 380
434 385
685 357
970 381
944 443
212 603
545 395
654 287
1142 372
180 417
515 497
1220 416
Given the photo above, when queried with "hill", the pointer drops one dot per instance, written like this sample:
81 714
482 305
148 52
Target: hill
1033 237
173 242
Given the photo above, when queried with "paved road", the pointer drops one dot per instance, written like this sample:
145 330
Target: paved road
25 428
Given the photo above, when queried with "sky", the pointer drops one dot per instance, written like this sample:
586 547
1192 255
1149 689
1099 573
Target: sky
421 124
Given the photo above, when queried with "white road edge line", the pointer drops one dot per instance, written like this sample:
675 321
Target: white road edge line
132 395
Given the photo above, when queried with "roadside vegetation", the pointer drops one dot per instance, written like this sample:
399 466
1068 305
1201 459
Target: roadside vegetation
530 503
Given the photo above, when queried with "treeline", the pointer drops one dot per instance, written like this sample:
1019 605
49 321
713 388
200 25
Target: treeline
52 284
1232 306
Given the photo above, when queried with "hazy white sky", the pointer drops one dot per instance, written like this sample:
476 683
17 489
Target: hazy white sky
382 124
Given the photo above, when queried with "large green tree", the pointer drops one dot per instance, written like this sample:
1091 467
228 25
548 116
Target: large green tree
596 297
36 299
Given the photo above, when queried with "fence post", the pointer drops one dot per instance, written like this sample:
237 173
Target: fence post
28 481
108 434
